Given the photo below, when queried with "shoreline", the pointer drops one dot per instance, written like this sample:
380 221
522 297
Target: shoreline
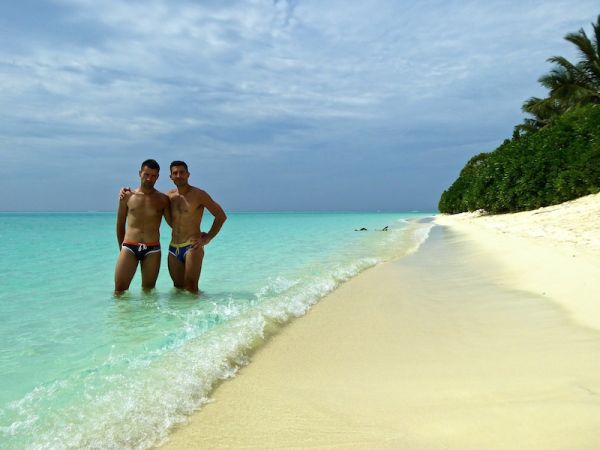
453 347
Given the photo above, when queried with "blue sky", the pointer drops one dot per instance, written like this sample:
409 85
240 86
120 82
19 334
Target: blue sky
275 105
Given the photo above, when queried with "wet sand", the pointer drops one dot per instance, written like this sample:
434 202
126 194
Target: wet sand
454 347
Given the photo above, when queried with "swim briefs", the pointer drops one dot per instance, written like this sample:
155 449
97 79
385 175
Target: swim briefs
141 249
179 250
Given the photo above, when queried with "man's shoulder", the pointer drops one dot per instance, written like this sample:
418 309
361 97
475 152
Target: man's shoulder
159 196
127 195
164 198
198 191
172 193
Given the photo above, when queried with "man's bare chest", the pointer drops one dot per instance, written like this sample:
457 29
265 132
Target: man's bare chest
144 205
181 205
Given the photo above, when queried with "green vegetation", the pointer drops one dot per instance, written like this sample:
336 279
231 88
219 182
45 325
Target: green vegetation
553 165
554 156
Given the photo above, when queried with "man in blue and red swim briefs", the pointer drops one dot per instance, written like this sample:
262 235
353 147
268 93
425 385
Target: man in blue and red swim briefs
138 221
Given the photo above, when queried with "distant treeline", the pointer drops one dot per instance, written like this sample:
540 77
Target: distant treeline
554 156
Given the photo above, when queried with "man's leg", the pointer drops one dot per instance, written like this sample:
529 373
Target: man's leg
124 270
150 269
193 267
176 270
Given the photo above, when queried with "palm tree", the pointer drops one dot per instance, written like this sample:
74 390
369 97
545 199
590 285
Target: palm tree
543 111
569 85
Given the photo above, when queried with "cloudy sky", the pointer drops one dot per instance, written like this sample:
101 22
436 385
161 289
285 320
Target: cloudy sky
275 105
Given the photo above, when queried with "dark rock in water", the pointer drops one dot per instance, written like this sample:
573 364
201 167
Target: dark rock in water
362 229
384 228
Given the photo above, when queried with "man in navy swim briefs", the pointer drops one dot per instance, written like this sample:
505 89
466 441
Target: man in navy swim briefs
186 250
138 221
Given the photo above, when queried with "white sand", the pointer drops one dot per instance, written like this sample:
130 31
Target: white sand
552 251
573 225
478 341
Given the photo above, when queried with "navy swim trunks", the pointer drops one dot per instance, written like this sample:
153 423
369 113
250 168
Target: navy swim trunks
179 250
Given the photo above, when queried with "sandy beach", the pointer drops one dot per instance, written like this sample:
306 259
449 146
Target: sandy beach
488 337
552 251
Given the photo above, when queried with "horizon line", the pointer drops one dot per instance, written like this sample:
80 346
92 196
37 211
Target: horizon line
231 212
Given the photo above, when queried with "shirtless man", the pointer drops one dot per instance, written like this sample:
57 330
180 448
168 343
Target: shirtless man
142 210
186 250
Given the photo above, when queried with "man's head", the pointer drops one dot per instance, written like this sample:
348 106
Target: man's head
179 173
149 173
150 164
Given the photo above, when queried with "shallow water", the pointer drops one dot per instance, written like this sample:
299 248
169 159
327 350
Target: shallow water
81 368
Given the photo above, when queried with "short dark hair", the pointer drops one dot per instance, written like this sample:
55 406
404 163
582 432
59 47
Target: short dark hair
150 164
178 163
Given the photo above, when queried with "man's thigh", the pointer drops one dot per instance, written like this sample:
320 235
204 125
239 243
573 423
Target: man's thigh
176 270
125 269
193 264
150 268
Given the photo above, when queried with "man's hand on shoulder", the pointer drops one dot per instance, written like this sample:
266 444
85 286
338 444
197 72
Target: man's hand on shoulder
171 193
124 192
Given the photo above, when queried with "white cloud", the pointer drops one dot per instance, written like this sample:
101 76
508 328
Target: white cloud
264 78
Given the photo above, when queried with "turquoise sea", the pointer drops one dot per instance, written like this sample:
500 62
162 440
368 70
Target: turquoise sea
83 369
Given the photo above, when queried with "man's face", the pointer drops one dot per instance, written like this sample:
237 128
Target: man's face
148 177
179 175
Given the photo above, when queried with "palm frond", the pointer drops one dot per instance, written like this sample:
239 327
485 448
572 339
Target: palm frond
583 44
596 44
569 84
562 62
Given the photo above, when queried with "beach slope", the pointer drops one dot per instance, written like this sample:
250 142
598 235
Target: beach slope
453 347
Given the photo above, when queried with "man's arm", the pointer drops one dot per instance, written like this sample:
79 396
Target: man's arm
121 220
219 215
167 211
